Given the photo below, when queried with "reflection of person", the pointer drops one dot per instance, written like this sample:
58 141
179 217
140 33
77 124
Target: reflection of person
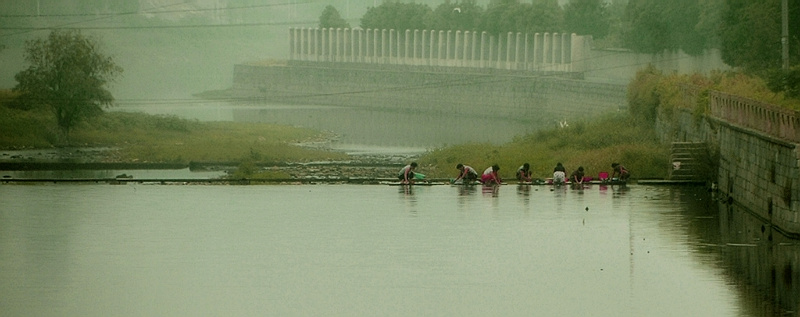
524 173
577 177
466 173
407 173
490 176
620 170
559 174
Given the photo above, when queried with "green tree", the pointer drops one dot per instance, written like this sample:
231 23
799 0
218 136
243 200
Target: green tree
464 15
587 17
67 73
330 18
655 26
504 16
750 34
396 15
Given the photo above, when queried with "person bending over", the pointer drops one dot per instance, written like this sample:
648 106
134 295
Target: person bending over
559 174
466 174
524 173
407 173
490 176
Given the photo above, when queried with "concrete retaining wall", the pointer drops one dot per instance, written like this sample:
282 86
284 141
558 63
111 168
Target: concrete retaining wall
758 169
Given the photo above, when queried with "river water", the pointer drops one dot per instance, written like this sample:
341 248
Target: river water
377 250
360 130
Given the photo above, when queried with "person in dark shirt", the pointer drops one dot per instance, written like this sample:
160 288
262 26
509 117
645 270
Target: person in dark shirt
524 173
577 177
620 170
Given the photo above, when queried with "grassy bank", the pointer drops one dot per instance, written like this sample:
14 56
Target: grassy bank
138 137
593 145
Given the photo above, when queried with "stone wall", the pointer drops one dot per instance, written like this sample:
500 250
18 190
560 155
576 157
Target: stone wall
758 169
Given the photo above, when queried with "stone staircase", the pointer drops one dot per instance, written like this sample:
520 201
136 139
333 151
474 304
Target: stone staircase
689 161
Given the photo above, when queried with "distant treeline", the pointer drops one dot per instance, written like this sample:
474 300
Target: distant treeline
748 33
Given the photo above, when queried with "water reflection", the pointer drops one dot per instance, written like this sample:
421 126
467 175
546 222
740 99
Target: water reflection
764 263
368 250
491 190
361 131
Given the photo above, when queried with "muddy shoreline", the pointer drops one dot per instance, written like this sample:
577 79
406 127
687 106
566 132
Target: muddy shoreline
358 166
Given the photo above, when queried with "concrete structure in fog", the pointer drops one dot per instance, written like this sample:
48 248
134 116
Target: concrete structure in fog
541 52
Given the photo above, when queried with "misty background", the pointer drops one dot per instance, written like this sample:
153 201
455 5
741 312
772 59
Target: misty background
169 49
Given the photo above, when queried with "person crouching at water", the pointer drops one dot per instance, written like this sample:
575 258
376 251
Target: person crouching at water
621 171
559 174
577 177
407 173
524 173
490 176
466 174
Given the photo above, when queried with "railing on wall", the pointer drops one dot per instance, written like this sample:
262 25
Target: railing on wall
771 119
513 51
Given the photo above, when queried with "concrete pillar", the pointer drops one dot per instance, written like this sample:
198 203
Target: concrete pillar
517 51
341 47
391 50
440 51
384 46
547 51
527 57
359 33
374 50
431 47
465 49
407 56
415 53
483 50
331 44
448 48
457 49
317 44
509 50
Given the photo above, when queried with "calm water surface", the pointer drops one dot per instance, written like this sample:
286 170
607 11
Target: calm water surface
371 250
359 130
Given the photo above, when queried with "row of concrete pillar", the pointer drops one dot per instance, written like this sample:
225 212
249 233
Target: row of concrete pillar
559 52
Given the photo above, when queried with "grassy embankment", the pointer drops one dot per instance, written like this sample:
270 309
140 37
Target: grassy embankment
593 145
138 137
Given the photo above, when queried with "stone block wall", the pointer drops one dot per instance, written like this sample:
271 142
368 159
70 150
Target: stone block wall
760 173
759 161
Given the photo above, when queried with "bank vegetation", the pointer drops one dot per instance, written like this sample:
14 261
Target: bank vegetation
138 137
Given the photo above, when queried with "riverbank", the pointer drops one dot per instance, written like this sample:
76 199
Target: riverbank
62 159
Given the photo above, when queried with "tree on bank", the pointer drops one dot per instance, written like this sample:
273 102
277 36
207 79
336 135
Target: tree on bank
67 74
587 17
396 15
330 18
464 15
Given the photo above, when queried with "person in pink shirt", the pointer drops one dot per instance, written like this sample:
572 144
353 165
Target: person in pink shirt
490 176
